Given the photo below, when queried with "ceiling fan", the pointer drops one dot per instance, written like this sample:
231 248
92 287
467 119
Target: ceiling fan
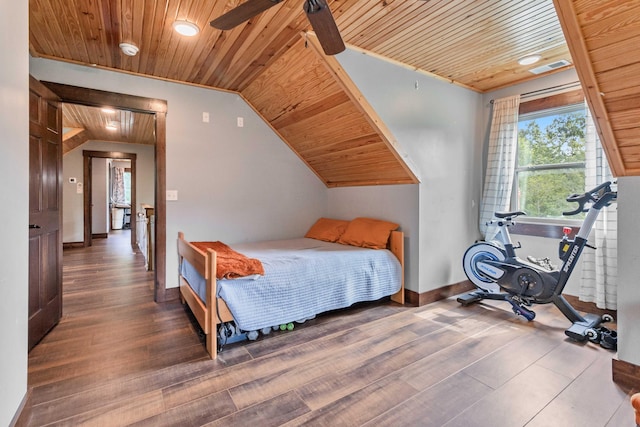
317 11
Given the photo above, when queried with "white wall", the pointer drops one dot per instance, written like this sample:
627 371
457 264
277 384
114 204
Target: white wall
234 184
629 270
14 175
396 203
72 166
437 128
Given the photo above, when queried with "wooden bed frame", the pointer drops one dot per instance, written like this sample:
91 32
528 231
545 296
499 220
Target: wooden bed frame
205 264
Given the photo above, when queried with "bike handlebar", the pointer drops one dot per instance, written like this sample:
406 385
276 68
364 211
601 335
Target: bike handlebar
594 195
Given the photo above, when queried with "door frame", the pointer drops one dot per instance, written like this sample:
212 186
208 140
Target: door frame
158 107
88 157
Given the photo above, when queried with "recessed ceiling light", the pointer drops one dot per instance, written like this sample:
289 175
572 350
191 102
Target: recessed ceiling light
186 28
112 126
529 59
108 110
129 49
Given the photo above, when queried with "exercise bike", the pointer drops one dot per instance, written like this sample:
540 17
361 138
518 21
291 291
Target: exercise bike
498 274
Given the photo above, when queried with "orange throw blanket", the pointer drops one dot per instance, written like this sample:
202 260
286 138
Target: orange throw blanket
229 263
635 402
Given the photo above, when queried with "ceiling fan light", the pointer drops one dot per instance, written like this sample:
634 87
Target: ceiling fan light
529 59
129 49
186 28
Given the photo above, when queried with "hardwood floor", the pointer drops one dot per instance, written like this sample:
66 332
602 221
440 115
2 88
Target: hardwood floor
117 358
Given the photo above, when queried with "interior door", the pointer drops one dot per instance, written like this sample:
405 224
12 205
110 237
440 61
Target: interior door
45 211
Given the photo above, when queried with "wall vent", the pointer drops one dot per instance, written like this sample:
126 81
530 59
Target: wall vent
548 67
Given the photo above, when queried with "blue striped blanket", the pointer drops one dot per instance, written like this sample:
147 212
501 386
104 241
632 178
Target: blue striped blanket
303 277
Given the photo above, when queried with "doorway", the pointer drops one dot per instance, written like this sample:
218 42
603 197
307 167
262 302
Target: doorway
117 205
158 108
118 199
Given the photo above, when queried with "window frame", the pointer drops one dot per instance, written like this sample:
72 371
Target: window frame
546 227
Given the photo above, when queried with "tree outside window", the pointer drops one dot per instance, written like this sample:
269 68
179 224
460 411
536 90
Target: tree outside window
550 162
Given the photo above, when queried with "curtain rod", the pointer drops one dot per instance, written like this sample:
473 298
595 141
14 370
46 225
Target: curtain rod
553 89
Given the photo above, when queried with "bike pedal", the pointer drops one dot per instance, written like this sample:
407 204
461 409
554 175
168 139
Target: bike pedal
527 314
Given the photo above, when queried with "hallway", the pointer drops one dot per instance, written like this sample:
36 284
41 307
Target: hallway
110 328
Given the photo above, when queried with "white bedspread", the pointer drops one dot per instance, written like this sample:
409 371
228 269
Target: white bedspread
303 277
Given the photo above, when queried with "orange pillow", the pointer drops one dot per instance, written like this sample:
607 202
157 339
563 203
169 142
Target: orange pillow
327 229
368 233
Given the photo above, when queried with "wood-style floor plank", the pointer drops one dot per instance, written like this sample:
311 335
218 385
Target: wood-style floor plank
361 406
590 400
435 405
194 413
502 365
268 413
117 358
431 370
294 375
515 403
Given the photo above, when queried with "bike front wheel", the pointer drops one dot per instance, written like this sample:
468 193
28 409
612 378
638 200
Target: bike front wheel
478 252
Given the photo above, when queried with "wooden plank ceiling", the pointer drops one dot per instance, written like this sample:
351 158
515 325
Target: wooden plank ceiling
604 37
333 134
82 123
474 44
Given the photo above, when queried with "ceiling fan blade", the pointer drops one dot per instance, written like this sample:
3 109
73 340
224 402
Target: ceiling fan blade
242 13
324 26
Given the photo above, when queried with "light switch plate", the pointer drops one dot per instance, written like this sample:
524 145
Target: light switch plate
172 194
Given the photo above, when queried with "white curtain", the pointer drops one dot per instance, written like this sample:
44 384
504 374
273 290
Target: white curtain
503 144
117 190
599 267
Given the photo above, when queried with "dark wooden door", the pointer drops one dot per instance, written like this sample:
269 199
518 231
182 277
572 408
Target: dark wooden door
45 211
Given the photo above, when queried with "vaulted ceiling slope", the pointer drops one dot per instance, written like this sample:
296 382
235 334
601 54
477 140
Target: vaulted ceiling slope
604 38
316 109
474 44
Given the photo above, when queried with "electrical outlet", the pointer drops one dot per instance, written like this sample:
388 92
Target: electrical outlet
205 117
240 122
172 194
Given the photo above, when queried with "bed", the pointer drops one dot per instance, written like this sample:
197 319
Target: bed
301 278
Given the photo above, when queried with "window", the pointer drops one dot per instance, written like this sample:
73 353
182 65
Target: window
550 162
127 185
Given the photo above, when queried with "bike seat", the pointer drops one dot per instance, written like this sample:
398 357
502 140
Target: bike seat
509 214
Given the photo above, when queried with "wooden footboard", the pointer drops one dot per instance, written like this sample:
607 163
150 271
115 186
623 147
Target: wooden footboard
205 313
214 310
396 246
